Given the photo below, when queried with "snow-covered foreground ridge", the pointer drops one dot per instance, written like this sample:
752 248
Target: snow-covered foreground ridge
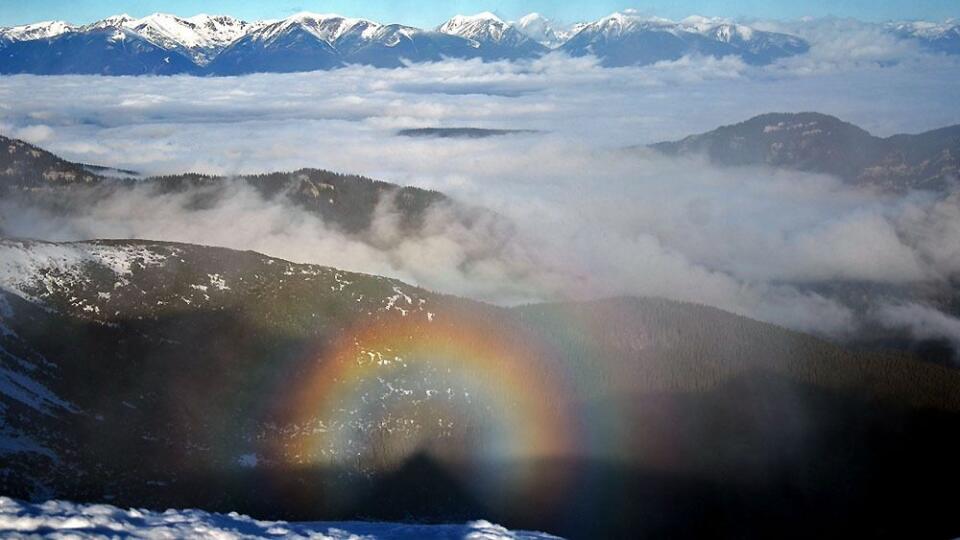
58 519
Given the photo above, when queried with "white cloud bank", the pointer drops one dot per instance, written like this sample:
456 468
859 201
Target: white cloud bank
590 220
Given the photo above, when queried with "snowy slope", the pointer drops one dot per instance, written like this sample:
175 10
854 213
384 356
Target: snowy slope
57 518
938 37
325 27
201 37
496 37
40 30
480 27
279 48
309 41
113 21
627 38
35 269
104 48
325 41
301 42
393 45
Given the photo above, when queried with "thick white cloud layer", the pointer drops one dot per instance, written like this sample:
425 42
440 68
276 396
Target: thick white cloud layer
590 219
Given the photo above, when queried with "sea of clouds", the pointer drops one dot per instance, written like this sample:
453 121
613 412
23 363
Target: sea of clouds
588 216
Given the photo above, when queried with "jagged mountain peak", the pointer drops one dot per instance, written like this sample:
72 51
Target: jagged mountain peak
926 28
113 21
939 37
499 38
308 41
482 26
39 30
324 26
628 38
200 37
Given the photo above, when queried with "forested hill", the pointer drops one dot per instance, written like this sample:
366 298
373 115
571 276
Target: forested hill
345 201
158 374
821 143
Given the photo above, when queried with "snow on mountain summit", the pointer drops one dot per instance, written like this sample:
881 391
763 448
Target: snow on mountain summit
940 37
200 37
113 21
627 38
40 30
501 39
326 27
224 45
484 26
721 28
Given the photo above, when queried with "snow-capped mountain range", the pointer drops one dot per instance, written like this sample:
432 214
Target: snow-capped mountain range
625 38
939 37
222 45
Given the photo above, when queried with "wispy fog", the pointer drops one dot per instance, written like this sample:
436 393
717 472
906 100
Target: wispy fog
588 218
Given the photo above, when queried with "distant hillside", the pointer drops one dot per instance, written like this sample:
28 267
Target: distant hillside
158 374
346 201
461 133
820 143
26 167
939 37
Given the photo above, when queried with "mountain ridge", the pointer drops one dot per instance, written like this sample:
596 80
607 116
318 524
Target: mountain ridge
170 339
346 201
222 45
820 143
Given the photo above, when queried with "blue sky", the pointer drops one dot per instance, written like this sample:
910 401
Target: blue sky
432 12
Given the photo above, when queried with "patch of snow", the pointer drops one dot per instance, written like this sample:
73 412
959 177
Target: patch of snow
923 29
392 303
58 518
326 27
217 281
341 282
480 27
114 21
200 36
40 30
43 268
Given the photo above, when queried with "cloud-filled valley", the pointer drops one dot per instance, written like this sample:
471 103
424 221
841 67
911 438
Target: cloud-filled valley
589 217
634 278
